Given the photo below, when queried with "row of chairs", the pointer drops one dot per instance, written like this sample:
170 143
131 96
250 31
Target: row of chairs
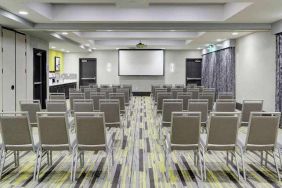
54 135
261 137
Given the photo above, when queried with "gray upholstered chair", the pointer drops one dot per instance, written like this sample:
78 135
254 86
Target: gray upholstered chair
209 90
249 106
185 96
224 106
160 98
199 105
261 136
107 90
54 135
215 140
16 135
153 87
168 87
87 92
121 98
125 91
74 90
174 92
91 136
180 86
31 106
225 95
191 85
96 96
83 105
159 90
115 87
73 96
82 88
56 106
210 96
93 85
185 135
57 96
194 91
169 106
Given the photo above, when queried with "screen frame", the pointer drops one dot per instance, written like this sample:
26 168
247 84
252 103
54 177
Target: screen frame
141 50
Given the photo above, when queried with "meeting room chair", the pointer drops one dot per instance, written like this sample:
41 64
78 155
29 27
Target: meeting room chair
57 96
216 140
179 86
174 92
212 90
225 95
96 96
87 92
111 109
194 91
249 106
261 136
199 105
190 86
169 106
93 85
226 106
153 87
210 96
56 106
91 136
185 136
185 96
158 90
82 88
83 105
115 87
160 98
74 90
16 133
31 106
107 91
54 135
121 98
126 92
73 96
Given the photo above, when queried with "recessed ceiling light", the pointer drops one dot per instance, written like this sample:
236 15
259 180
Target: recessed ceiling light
219 40
81 46
235 33
68 51
199 48
109 30
94 48
172 30
62 49
89 50
117 48
65 33
53 47
86 44
23 12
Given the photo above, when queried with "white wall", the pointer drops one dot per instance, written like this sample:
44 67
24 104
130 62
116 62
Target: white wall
107 68
255 68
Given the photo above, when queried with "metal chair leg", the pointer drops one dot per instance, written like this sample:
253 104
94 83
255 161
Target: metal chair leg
279 153
39 164
276 166
3 158
243 163
237 164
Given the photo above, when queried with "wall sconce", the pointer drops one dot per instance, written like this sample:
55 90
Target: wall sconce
109 67
171 67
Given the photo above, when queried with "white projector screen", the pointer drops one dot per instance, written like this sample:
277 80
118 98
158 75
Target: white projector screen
141 62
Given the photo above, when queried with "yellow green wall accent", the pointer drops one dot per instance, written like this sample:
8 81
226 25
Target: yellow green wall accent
52 55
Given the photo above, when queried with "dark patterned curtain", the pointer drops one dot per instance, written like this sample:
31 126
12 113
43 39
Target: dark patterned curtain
278 99
218 70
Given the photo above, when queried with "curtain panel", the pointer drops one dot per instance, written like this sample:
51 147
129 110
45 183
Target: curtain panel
278 98
218 70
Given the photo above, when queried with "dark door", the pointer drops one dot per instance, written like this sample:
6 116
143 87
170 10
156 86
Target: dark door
87 71
193 71
39 76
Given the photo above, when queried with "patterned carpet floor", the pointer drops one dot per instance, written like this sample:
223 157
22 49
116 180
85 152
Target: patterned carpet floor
139 162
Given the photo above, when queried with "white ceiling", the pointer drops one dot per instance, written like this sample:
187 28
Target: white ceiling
110 24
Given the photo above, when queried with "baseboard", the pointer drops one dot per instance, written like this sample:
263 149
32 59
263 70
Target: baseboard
141 93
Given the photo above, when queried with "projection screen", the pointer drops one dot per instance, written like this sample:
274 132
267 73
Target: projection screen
141 62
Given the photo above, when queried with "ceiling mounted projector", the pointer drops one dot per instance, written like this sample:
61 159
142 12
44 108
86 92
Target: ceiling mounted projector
140 45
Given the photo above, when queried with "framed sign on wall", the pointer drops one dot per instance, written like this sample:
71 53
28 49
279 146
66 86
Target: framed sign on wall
57 63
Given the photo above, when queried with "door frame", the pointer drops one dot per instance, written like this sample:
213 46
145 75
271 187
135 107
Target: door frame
80 59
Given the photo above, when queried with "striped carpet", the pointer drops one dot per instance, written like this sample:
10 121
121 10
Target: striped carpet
139 162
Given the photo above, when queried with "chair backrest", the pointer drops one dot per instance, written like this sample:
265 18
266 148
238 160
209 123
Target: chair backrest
96 97
31 106
200 105
174 92
104 86
225 95
179 86
82 88
87 92
223 130
161 97
153 87
169 106
224 106
191 85
74 90
159 90
168 86
73 96
53 131
262 130
115 87
185 96
56 106
226 100
250 106
209 90
126 94
128 86
210 96
83 105
121 98
90 130
57 96
110 107
93 85
107 91
194 91
185 130
201 88
16 131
